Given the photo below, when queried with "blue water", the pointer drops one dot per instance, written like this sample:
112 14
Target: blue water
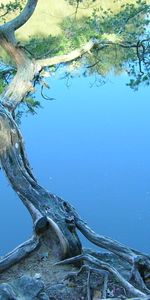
90 146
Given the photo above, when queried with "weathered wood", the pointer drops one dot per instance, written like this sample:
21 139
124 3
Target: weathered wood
50 212
21 84
69 56
16 167
18 253
51 215
135 258
92 260
10 27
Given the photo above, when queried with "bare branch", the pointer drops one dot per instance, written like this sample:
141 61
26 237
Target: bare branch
140 59
77 6
23 17
79 52
27 69
70 56
138 12
4 14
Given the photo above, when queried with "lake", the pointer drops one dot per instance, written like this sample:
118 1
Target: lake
90 146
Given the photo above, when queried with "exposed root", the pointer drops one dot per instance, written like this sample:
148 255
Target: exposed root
101 273
104 291
138 278
130 289
51 215
90 270
145 298
131 256
49 211
88 285
140 263
19 253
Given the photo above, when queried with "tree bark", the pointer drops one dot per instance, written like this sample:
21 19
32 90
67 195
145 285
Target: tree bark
54 220
38 201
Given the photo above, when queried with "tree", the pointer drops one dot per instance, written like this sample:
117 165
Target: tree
55 221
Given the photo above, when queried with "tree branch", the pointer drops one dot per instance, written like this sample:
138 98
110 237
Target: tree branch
27 69
68 57
77 53
23 17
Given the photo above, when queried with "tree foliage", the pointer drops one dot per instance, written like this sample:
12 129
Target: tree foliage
101 42
125 32
10 8
127 28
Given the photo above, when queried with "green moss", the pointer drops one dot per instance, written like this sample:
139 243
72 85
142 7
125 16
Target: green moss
2 85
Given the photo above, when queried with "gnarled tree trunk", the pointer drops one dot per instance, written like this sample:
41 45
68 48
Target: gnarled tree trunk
44 261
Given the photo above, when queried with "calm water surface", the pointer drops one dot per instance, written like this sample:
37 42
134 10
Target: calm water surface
92 147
